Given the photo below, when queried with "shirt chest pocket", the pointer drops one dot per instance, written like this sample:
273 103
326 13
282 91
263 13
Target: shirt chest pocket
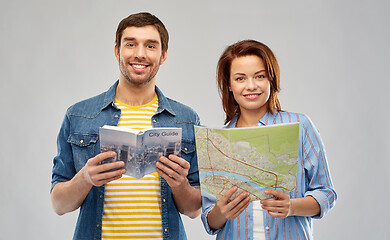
188 152
187 147
83 148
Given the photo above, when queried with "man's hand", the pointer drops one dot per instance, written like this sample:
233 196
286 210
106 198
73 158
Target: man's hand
98 174
68 196
187 198
280 207
225 209
174 170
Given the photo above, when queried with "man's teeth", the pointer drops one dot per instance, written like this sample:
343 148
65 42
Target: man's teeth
139 66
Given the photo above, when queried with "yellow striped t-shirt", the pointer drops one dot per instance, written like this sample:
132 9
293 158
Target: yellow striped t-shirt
132 207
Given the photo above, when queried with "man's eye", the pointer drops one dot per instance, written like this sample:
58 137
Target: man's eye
130 44
151 46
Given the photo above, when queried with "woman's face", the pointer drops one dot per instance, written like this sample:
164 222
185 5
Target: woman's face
249 84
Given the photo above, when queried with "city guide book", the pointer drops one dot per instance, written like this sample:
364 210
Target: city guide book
139 149
254 159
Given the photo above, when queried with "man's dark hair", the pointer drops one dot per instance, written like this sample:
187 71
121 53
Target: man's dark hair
141 20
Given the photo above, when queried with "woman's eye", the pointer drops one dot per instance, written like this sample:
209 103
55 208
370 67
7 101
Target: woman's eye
260 76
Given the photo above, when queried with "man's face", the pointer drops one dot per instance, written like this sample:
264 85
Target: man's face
139 54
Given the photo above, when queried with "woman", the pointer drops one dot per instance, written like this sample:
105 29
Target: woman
248 81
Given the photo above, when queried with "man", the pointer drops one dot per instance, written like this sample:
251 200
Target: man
112 204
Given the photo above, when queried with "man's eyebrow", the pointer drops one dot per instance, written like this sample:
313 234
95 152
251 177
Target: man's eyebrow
153 41
129 39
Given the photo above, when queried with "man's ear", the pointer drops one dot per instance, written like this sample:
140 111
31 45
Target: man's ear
116 52
163 58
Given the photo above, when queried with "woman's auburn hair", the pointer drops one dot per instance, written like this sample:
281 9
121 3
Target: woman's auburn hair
241 49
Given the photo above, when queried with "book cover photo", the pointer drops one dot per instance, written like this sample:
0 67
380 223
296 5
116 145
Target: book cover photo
139 149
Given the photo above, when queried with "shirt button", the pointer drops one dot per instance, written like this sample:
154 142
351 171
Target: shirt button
97 225
166 230
267 228
116 116
81 141
163 199
101 196
185 148
154 120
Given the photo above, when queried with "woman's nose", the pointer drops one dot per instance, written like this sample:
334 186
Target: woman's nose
251 84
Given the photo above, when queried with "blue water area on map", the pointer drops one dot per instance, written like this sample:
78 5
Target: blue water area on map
204 174
206 193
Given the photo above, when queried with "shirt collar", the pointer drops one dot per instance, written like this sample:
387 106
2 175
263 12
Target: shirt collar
163 103
109 98
267 119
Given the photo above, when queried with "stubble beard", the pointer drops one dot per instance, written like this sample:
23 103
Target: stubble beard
129 79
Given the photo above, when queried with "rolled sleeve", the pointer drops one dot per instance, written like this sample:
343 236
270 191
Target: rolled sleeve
320 185
207 206
63 166
325 199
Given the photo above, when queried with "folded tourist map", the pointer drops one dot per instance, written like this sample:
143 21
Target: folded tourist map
253 159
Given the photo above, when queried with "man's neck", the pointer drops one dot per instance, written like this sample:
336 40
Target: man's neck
135 95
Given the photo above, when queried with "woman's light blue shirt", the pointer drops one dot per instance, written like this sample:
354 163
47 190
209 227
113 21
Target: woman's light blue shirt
313 179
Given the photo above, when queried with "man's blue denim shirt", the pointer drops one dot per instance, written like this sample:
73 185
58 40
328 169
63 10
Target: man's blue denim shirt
78 141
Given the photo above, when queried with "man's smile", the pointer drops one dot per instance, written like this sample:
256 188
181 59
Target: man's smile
138 66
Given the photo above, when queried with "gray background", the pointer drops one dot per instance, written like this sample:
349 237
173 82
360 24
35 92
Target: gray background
334 67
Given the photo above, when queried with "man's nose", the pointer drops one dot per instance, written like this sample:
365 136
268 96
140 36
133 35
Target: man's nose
140 52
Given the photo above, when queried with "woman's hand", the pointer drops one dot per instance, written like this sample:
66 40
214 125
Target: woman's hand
280 207
232 209
225 209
